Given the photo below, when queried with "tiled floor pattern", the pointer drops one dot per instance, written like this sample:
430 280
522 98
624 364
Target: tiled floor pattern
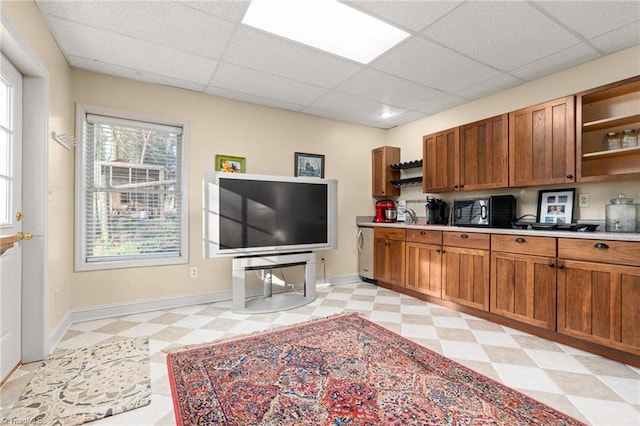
590 388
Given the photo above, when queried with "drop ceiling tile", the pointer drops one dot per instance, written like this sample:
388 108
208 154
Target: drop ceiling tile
353 106
400 119
432 65
258 50
619 39
102 46
593 18
249 98
412 15
230 10
436 104
495 84
165 23
121 71
244 80
564 59
388 89
341 117
506 35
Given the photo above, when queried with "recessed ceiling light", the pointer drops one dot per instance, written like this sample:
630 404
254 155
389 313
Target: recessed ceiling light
327 25
385 114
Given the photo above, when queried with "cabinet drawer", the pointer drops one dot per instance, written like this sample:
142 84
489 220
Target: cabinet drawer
602 251
425 237
389 233
467 239
524 244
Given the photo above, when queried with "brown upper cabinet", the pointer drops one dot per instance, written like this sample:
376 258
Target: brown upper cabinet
467 158
542 144
382 174
483 154
613 108
440 161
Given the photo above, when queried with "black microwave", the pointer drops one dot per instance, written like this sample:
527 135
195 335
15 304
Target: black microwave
497 211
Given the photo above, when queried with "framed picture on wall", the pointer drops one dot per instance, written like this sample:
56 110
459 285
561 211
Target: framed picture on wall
556 206
311 165
230 164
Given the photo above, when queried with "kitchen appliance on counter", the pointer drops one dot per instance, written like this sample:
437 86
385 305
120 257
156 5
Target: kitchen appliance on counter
365 254
385 211
498 211
437 211
621 215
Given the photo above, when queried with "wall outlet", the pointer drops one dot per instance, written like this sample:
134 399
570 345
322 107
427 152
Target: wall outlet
583 200
193 272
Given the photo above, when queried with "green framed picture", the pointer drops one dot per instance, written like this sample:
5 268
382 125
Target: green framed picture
230 164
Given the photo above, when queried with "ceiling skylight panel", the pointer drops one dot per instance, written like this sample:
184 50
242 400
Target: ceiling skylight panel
326 25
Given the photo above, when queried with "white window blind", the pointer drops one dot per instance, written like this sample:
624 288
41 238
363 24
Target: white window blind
132 180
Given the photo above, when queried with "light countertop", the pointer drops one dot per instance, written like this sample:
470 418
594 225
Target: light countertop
367 221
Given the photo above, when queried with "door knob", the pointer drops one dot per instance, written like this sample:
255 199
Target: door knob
24 236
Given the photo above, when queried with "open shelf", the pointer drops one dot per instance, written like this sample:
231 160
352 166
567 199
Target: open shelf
610 122
612 153
612 108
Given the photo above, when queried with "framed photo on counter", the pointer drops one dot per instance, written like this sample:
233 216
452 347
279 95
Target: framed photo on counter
556 206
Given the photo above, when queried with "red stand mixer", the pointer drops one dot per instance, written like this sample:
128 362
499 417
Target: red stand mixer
385 211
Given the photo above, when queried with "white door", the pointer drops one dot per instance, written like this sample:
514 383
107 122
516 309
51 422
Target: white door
10 217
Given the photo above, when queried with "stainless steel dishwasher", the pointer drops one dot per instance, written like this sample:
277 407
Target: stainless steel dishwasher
365 255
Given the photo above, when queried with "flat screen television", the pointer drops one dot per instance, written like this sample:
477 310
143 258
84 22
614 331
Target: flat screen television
246 214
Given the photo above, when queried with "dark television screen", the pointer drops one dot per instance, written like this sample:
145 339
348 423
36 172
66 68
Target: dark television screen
267 213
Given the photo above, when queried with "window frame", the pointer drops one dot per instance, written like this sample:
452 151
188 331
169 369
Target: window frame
81 263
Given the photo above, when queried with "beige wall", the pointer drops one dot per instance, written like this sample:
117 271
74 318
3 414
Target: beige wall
615 67
268 138
27 20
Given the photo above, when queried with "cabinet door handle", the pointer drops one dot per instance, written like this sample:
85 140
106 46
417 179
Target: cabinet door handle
560 266
602 246
569 176
551 265
520 240
464 236
423 233
439 251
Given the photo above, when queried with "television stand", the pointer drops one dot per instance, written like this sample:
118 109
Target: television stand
269 302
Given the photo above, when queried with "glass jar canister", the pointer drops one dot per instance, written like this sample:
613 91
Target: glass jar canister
629 138
620 215
612 140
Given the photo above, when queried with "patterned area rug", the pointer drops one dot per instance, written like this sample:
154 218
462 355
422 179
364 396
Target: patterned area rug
77 386
342 370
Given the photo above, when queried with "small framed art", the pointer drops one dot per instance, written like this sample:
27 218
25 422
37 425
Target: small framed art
230 164
311 165
556 206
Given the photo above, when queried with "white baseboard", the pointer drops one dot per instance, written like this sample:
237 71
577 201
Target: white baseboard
148 305
58 332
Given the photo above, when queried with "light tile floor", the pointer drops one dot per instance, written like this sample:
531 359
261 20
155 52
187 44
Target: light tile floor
590 388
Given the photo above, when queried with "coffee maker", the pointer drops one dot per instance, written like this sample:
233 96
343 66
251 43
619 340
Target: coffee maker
385 211
437 211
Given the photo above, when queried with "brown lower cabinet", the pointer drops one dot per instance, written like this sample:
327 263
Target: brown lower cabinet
557 288
523 279
424 262
389 256
600 303
465 269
